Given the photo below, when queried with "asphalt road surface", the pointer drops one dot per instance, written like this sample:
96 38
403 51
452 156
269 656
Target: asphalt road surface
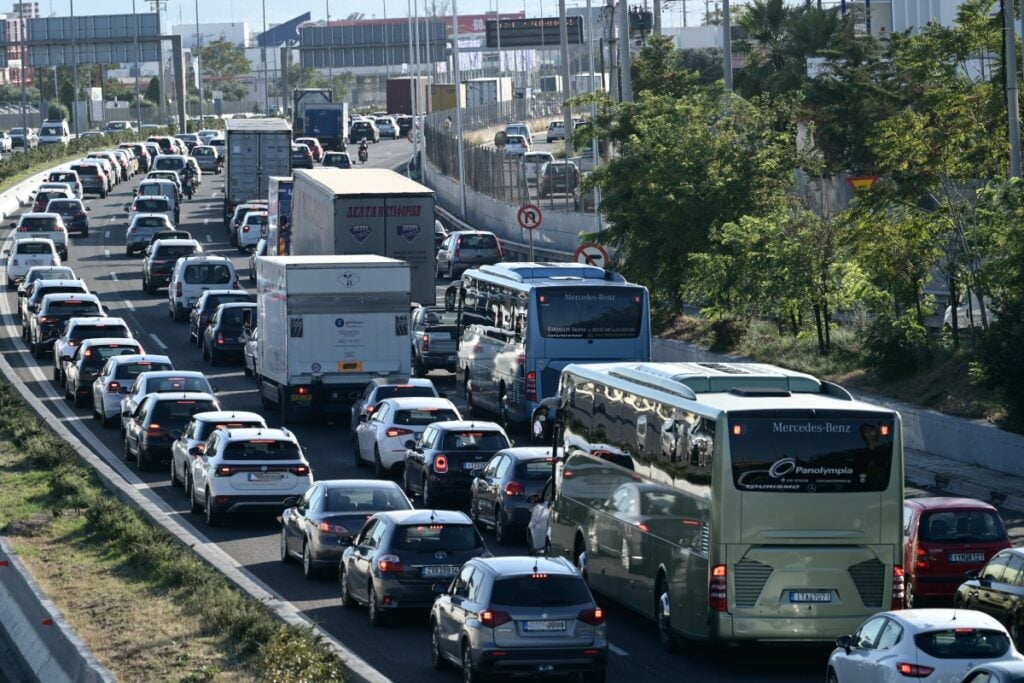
400 651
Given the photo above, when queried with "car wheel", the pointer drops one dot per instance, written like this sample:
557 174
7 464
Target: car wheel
356 458
405 482
378 466
96 415
437 659
56 374
469 395
285 556
78 399
427 494
469 672
908 596
309 568
212 518
346 593
474 514
418 369
141 461
245 369
376 614
831 677
214 357
663 616
127 450
85 233
104 420
206 355
502 529
128 251
194 507
1015 633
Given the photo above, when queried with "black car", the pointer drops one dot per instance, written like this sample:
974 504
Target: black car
404 125
159 264
170 235
52 316
301 157
223 336
73 212
40 288
998 590
364 130
441 464
205 306
502 489
152 428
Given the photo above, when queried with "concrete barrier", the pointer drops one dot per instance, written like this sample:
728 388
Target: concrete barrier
42 639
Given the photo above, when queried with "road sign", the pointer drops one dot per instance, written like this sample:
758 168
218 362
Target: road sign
591 254
415 136
529 216
862 182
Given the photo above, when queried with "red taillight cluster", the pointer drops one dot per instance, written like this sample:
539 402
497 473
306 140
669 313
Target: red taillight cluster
531 386
514 488
914 670
224 471
718 591
389 564
440 463
329 528
113 387
300 470
899 587
426 343
177 289
392 432
154 429
921 562
594 617
220 338
494 618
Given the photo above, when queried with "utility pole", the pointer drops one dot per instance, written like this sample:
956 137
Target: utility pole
387 61
563 35
624 52
1012 102
593 115
727 45
138 85
74 67
263 56
330 51
156 6
657 16
22 24
458 109
199 65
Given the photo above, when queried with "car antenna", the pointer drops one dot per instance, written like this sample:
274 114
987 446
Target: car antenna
432 518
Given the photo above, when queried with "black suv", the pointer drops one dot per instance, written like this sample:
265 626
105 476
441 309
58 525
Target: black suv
204 309
159 264
40 288
223 336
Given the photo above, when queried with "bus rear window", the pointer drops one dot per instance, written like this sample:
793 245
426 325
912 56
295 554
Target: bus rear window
590 312
811 453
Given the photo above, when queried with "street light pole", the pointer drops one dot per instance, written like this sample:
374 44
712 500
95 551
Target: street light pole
387 61
199 64
74 67
263 57
458 108
22 25
138 85
330 51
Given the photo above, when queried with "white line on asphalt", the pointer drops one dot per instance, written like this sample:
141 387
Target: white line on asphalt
106 235
106 252
206 221
130 305
209 239
617 650
158 342
113 276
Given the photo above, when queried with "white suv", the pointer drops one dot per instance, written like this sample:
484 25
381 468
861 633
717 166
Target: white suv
192 441
248 469
193 275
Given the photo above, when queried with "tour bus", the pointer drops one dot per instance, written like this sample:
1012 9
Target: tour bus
530 320
728 501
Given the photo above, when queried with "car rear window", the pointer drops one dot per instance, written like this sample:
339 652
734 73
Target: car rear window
150 222
961 526
159 384
534 470
433 537
348 499
82 332
207 274
151 204
175 251
87 170
474 440
179 411
215 300
63 205
33 248
261 449
170 164
133 370
99 355
963 643
477 242
204 429
424 417
233 317
76 306
398 390
37 223
540 590
63 289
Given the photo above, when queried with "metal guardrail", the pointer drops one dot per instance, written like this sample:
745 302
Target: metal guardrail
520 249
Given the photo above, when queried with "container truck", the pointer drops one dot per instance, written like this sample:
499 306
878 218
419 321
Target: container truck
551 84
484 91
328 123
366 211
304 97
279 215
588 82
327 326
256 149
399 93
442 96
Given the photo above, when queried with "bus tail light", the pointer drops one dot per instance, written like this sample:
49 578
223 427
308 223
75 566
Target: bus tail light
899 587
441 464
531 386
718 592
914 670
426 343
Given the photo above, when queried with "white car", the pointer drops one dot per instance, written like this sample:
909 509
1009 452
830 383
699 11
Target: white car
250 353
25 254
937 645
532 163
516 145
250 230
151 204
193 438
194 275
44 273
42 225
88 360
380 388
248 469
381 437
157 382
80 328
115 381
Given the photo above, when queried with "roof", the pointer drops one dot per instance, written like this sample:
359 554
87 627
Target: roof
530 274
949 503
217 415
43 283
393 382
419 402
361 483
161 374
336 260
529 452
368 182
458 425
110 341
426 517
182 396
510 565
92 320
177 242
939 619
66 296
257 125
247 433
141 357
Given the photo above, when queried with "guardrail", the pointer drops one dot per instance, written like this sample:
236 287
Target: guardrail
520 249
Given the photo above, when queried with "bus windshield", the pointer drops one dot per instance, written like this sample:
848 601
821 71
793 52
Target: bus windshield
823 453
590 313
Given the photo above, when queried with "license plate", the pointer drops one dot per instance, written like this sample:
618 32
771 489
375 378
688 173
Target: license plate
810 596
967 557
302 397
439 571
265 476
469 466
545 625
191 301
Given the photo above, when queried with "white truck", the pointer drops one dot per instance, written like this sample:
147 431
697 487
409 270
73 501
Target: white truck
366 211
327 326
256 149
484 91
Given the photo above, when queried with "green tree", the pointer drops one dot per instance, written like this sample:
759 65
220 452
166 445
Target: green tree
67 96
222 59
658 69
153 90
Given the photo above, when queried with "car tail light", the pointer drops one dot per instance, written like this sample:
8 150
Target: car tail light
389 564
80 214
594 617
531 386
45 318
329 528
224 471
392 432
718 592
59 228
370 409
301 391
497 242
23 228
113 387
220 337
177 290
914 670
426 343
245 228
921 562
514 488
899 587
154 429
441 464
299 470
493 618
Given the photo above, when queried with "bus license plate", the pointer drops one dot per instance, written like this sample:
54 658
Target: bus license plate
810 596
439 571
547 625
967 557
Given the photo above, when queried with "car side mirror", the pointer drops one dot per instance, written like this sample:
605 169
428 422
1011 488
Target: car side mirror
345 540
410 444
195 450
845 642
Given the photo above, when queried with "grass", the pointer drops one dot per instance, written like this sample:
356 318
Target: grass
148 607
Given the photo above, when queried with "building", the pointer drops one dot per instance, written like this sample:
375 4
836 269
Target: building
15 21
235 32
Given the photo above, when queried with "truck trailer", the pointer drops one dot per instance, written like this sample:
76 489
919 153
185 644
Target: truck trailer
279 215
256 149
328 123
483 91
400 91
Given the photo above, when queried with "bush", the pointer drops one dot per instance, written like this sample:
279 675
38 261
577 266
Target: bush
999 359
896 346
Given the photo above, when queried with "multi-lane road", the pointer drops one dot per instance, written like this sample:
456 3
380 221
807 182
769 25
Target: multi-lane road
401 651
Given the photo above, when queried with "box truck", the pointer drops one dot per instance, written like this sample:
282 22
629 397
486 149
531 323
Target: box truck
256 149
366 211
484 91
328 123
588 82
279 215
442 96
551 84
399 94
304 97
327 326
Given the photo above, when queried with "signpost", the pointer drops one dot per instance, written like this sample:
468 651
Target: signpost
529 217
591 254
538 32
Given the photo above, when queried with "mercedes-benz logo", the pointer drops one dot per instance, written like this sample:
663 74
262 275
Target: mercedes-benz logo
440 555
263 468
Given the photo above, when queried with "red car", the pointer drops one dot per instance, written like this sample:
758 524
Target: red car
315 148
943 539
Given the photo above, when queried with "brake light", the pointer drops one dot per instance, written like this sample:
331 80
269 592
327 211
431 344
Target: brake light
47 318
177 290
899 588
224 471
514 488
494 618
113 387
154 429
531 386
389 564
301 391
370 409
594 617
426 343
914 670
245 228
23 228
921 562
329 528
80 214
718 592
220 337
300 470
441 464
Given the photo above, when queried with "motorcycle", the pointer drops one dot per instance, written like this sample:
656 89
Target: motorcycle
364 152
189 186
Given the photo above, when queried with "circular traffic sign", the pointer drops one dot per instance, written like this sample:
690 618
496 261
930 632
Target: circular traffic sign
591 254
529 216
415 136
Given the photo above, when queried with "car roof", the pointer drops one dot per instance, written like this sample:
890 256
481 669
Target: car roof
40 214
511 565
359 483
141 357
163 374
426 517
197 258
474 232
149 214
459 425
414 402
34 240
179 242
528 452
238 304
247 433
219 415
937 619
95 320
110 341
42 283
182 396
392 382
222 292
949 503
67 296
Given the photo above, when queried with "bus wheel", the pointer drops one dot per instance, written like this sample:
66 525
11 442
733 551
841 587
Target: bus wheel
663 615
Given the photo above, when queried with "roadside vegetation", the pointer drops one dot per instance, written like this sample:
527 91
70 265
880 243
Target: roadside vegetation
719 200
148 608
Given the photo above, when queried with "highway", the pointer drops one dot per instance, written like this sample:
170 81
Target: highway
400 651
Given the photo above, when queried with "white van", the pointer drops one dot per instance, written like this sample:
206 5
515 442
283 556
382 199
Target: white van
54 132
520 129
157 187
170 162
195 274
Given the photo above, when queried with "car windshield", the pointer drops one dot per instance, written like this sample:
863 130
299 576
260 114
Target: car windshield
395 390
40 223
178 412
429 538
470 440
979 526
34 248
63 205
349 499
75 306
540 590
424 417
204 428
151 222
133 370
174 251
158 384
534 470
215 300
262 449
963 643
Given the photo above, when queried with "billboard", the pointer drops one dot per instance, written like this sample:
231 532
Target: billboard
533 32
354 44
100 39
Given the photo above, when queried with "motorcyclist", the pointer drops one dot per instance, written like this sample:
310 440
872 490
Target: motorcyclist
188 180
364 150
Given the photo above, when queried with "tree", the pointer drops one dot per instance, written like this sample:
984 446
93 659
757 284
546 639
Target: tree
153 90
222 61
67 96
658 69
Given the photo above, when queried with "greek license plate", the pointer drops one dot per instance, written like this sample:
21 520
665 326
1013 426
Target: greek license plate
967 557
469 466
451 359
810 596
302 397
546 625
439 571
266 476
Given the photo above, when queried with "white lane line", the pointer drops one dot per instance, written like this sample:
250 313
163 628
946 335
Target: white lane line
157 340
209 239
617 650
113 276
130 305
106 252
106 235
206 221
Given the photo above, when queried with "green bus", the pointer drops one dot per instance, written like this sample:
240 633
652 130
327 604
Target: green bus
728 501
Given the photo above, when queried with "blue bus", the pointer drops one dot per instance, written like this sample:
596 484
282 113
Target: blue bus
530 320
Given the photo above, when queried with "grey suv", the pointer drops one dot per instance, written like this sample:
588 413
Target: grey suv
501 490
519 615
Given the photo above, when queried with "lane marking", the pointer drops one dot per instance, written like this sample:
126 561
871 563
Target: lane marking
130 305
206 221
617 650
106 252
113 276
209 239
157 340
106 235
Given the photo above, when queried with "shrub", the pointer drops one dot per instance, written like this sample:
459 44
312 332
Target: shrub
896 346
999 358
